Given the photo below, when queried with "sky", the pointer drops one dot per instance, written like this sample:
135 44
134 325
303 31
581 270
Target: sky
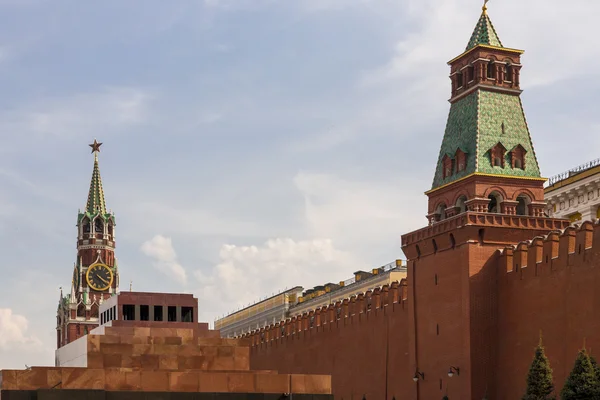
249 145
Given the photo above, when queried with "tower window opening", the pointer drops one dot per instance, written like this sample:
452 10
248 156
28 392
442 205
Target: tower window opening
508 73
491 70
518 163
459 79
522 205
494 204
470 73
460 204
98 226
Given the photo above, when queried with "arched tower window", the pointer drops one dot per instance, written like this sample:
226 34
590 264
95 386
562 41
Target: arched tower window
85 227
81 310
460 204
447 166
470 73
491 70
99 226
461 160
517 157
523 205
494 206
497 155
459 79
441 212
508 72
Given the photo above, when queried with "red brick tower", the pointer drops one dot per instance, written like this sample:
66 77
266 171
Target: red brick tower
95 273
487 193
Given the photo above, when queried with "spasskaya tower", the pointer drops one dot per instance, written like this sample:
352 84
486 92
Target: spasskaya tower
95 271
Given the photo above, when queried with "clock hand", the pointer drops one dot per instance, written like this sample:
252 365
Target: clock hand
103 280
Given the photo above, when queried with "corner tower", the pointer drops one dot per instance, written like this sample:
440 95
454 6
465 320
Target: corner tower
486 162
95 272
487 194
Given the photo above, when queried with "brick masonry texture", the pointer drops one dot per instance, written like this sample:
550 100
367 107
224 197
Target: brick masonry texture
477 299
150 359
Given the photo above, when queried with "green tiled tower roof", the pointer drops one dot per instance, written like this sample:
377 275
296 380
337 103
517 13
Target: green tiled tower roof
484 32
95 202
477 123
96 205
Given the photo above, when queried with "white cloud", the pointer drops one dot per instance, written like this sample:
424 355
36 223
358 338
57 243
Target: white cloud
360 214
13 332
246 273
161 250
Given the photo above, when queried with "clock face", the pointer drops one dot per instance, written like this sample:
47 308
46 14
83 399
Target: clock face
99 277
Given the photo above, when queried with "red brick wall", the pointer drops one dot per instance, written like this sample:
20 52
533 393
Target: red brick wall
352 349
490 304
557 294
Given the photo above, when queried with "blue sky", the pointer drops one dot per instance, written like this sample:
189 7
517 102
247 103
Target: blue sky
249 146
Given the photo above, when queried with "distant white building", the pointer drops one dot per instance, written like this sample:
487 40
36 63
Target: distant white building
296 301
575 194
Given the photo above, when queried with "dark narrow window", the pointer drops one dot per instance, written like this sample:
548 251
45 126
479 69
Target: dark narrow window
437 328
435 248
436 280
172 314
508 72
579 249
128 312
144 313
459 79
491 70
418 251
158 313
452 241
481 236
187 314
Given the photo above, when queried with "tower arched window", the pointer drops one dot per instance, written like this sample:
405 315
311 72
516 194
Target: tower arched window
508 72
85 226
523 205
517 157
494 206
491 70
98 226
447 166
459 79
460 204
461 160
497 154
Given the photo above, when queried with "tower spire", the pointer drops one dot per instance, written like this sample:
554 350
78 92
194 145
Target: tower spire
95 202
484 32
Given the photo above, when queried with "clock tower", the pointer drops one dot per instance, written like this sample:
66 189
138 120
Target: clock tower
95 272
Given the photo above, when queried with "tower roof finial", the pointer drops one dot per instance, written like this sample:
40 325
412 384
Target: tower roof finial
484 8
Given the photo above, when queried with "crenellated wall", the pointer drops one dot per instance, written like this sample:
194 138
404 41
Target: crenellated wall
361 341
551 285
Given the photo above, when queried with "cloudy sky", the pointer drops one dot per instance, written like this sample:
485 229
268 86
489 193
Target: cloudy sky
249 145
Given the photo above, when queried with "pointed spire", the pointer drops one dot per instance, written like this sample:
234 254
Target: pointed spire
484 32
96 203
